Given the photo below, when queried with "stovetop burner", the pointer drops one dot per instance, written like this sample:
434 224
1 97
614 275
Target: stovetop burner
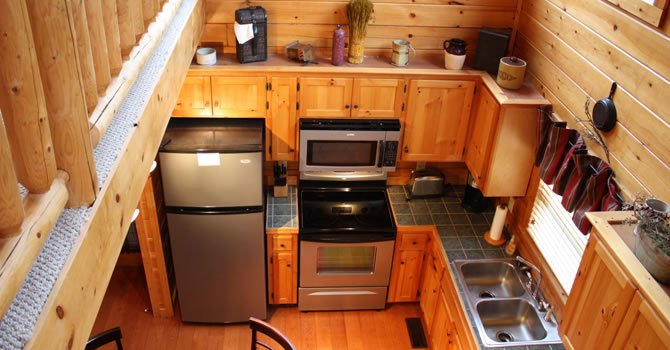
345 210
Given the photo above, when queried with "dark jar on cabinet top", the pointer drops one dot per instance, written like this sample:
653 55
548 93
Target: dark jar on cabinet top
455 46
337 57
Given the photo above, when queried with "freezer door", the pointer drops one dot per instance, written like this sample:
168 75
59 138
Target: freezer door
212 179
219 263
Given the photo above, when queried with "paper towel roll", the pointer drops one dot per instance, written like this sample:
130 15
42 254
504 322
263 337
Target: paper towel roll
498 222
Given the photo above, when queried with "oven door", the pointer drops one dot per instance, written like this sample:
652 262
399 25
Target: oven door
332 264
341 150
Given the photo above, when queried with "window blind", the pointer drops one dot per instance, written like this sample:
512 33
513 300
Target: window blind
556 236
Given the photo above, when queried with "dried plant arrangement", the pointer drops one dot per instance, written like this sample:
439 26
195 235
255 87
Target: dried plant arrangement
359 13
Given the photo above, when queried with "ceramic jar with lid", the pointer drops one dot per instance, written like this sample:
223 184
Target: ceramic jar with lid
454 53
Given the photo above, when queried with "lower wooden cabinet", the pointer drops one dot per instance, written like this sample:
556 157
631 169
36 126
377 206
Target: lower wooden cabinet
430 287
282 266
407 267
614 303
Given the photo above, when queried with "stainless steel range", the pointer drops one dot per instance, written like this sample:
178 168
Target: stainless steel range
347 231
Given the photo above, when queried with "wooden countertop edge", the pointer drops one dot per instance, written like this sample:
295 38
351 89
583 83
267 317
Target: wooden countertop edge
646 284
421 66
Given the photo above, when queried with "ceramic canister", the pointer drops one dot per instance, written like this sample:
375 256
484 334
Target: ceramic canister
401 48
205 56
511 72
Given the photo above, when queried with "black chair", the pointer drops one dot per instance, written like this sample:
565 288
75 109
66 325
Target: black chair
108 336
257 325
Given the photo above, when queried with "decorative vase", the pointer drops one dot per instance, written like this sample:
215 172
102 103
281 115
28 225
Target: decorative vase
651 257
356 50
337 58
454 53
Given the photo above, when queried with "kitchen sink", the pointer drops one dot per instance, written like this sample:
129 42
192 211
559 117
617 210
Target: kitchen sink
508 320
488 279
504 310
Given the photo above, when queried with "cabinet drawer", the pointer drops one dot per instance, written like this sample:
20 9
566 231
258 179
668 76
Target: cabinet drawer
282 242
413 241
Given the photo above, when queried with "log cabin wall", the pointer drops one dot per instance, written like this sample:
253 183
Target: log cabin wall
575 49
425 23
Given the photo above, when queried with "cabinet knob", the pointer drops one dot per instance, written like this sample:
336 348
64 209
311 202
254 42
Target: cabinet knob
413 242
206 103
346 106
402 262
406 149
288 265
355 106
282 245
216 103
291 149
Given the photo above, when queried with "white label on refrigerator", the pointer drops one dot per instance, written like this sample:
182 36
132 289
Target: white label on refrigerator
208 159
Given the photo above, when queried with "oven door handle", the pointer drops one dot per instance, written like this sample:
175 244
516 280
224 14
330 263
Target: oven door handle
344 238
380 154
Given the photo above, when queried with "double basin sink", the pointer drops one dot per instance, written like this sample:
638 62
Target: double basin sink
505 310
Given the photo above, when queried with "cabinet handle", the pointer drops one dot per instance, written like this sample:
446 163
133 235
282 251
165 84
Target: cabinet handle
406 149
291 149
355 106
346 106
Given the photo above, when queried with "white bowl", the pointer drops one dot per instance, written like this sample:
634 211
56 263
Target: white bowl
205 56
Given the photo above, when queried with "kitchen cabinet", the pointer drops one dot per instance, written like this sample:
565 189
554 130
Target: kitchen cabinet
430 288
282 266
602 291
437 118
443 333
244 97
614 302
282 121
194 98
349 97
642 328
407 266
502 143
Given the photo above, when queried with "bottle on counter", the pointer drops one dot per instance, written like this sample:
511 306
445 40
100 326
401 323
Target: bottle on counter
510 248
338 46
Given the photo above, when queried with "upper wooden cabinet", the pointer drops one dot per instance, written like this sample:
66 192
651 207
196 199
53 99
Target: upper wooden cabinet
348 97
239 96
195 98
501 149
325 97
282 119
437 118
377 98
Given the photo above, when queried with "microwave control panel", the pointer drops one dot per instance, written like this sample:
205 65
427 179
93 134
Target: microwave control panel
390 153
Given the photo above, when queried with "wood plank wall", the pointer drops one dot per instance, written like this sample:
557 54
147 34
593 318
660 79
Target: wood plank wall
425 23
575 49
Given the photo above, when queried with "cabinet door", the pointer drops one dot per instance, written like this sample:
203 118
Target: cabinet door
598 301
377 98
437 120
325 97
443 333
283 126
483 127
285 285
430 291
406 276
239 96
195 98
642 328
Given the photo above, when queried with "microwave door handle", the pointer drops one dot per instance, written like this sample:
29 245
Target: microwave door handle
380 154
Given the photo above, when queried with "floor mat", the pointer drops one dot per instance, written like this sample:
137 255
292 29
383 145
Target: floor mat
416 335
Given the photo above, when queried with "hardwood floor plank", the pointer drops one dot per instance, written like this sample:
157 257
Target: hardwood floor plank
126 299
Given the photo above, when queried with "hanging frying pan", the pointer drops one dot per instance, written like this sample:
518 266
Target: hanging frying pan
604 112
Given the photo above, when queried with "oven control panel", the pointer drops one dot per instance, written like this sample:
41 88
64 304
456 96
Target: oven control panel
390 153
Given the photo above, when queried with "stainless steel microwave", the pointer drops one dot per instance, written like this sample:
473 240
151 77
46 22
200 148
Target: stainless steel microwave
348 149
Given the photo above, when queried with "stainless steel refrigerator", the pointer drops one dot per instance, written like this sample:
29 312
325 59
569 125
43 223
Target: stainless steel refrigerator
212 182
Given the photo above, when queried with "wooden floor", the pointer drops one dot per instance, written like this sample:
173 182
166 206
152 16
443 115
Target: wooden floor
127 298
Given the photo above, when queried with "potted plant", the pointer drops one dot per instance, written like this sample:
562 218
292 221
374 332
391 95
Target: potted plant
652 236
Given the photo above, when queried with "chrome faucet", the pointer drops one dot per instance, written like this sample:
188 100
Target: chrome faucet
534 292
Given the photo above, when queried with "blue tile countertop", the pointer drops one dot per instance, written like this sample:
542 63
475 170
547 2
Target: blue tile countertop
461 232
282 211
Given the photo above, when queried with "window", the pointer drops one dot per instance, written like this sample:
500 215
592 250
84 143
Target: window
556 236
650 11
